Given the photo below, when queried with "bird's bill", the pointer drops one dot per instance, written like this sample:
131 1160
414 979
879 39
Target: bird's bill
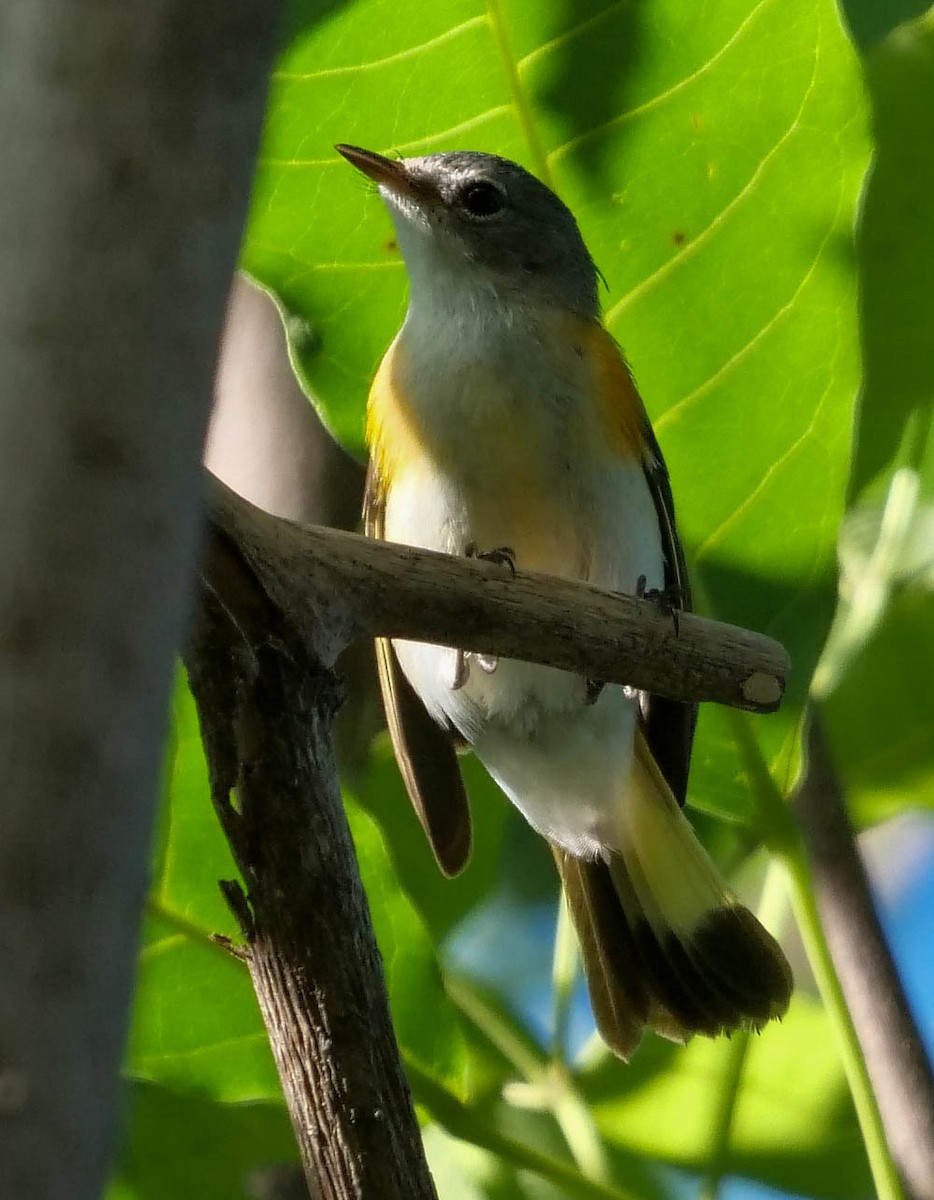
387 172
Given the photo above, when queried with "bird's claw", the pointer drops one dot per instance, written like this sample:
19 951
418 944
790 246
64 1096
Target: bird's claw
668 599
503 556
461 670
462 660
593 688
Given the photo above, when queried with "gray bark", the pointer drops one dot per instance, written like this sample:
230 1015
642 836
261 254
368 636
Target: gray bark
340 586
127 133
895 1056
266 706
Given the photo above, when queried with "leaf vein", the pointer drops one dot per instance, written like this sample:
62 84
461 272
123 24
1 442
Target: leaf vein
405 148
673 90
744 351
569 34
765 481
242 1039
519 98
376 63
748 190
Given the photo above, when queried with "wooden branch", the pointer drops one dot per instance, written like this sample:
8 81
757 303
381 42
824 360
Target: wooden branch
892 1046
266 707
338 586
280 602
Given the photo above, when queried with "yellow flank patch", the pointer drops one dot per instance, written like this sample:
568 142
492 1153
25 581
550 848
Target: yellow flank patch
619 413
396 439
493 457
392 433
500 455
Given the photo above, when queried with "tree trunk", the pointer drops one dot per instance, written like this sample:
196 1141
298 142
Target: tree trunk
128 129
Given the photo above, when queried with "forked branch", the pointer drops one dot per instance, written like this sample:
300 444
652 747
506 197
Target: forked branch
279 602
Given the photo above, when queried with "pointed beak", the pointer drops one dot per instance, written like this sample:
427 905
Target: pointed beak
389 173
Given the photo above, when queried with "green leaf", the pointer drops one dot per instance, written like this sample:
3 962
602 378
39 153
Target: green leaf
195 1020
441 902
460 1171
879 719
188 1147
438 1046
872 20
713 157
794 1125
196 1024
194 853
896 253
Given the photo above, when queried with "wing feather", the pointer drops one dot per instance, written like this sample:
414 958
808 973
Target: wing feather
425 752
668 724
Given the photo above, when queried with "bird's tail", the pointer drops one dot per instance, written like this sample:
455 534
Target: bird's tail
665 945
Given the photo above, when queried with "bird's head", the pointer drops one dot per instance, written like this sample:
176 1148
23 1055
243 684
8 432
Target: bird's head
477 220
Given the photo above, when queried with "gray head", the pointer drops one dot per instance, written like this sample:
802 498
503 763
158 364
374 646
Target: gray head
486 217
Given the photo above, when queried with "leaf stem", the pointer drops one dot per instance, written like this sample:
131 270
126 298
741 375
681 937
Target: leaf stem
563 977
781 835
734 1066
884 1173
578 1128
519 99
518 1049
858 618
550 1086
771 906
774 824
157 908
463 1122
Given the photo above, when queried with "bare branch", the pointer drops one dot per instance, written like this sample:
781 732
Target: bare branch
266 708
894 1052
352 586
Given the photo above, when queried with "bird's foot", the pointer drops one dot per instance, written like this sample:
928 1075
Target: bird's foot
461 670
462 660
593 688
503 556
668 599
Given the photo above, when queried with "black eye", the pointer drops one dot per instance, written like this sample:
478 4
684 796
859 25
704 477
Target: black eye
482 199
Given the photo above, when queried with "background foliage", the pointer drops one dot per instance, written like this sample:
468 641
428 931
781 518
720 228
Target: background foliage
714 155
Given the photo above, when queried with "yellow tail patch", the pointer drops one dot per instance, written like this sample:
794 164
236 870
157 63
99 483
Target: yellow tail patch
665 944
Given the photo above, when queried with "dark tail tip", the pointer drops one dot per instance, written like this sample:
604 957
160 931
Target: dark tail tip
744 962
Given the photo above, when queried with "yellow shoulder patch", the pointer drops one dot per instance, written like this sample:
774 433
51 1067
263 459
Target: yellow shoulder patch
620 414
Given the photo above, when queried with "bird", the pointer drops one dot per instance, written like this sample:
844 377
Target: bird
504 422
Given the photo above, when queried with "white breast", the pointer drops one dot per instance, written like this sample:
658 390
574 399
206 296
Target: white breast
512 470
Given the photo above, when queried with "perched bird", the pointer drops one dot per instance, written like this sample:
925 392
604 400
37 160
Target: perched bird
503 420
